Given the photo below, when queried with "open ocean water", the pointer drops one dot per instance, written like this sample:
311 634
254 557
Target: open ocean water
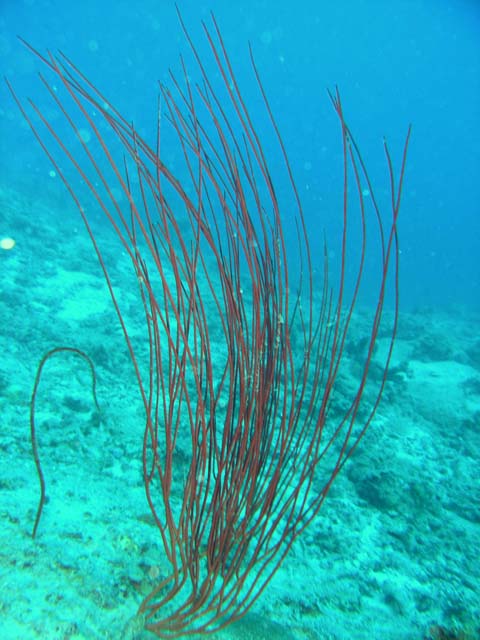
394 552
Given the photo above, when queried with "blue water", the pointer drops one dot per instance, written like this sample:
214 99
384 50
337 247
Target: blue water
395 63
394 553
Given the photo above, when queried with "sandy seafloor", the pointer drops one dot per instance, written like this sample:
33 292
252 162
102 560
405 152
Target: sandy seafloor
394 551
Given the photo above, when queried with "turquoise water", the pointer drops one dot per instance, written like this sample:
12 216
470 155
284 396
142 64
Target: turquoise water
393 554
